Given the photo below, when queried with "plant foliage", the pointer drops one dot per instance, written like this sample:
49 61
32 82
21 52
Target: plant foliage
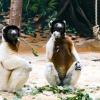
70 94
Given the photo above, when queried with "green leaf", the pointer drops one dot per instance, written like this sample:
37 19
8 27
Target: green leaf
34 52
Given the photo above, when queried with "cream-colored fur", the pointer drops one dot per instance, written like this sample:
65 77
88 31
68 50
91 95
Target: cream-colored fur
51 74
72 76
49 47
14 71
52 77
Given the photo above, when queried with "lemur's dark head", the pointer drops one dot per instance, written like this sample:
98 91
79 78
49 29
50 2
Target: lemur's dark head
58 28
11 34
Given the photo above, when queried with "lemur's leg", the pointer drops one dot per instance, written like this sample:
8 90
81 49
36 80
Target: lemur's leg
17 79
51 74
72 76
4 77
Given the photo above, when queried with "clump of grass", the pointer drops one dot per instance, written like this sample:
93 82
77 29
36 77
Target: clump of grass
70 94
54 89
18 95
16 98
78 94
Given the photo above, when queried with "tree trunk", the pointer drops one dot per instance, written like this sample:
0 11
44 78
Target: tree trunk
15 12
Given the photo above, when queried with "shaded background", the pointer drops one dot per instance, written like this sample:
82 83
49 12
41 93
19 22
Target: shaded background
36 14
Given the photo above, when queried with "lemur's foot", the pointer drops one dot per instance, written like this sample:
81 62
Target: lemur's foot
78 66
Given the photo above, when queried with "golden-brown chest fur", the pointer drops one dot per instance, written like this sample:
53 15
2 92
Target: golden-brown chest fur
62 57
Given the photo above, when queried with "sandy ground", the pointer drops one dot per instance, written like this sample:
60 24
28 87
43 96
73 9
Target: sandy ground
89 79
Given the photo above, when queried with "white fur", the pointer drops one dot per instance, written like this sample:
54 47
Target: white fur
52 77
59 25
75 54
72 76
13 31
14 71
50 23
50 47
64 22
57 34
51 74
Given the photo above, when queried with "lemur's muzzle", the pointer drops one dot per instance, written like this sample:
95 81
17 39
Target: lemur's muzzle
57 34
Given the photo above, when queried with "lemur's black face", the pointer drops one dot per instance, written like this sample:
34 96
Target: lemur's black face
58 28
11 34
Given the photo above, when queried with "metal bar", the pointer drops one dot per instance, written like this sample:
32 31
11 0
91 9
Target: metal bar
96 12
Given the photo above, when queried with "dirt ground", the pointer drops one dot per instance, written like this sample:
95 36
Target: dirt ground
90 77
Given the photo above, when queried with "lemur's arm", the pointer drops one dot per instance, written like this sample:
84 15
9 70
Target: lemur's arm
50 47
14 63
73 52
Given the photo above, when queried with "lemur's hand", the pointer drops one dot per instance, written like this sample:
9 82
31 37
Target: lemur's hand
78 66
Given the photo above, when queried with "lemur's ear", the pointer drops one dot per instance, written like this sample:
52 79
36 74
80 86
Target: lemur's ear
50 23
64 22
3 29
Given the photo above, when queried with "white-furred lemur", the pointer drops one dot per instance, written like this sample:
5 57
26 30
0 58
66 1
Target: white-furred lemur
14 70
